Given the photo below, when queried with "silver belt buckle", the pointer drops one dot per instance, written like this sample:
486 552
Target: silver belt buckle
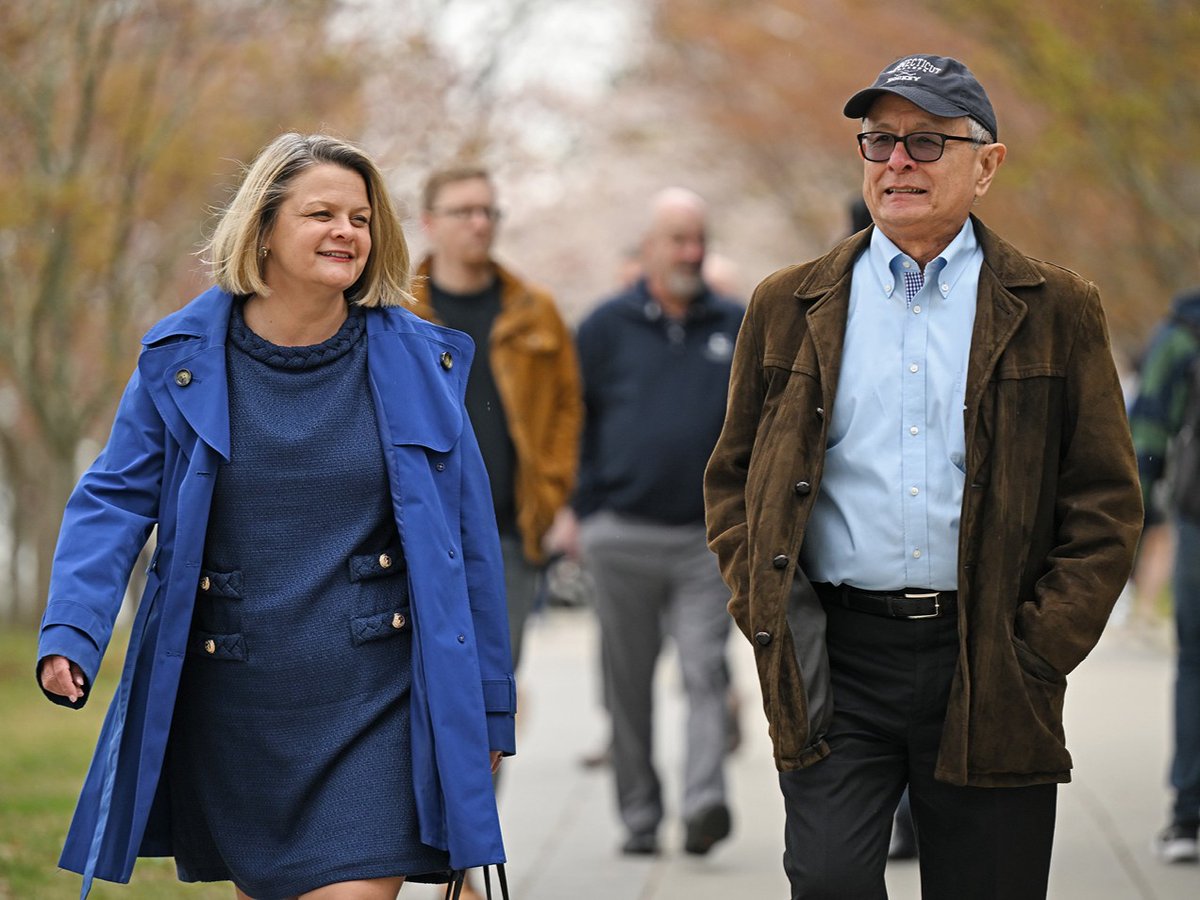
937 609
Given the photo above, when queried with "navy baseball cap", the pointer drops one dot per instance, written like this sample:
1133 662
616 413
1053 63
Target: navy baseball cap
938 84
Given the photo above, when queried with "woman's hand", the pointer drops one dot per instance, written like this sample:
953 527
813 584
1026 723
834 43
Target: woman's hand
496 757
62 677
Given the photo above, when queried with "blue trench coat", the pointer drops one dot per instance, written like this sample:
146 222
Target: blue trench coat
170 434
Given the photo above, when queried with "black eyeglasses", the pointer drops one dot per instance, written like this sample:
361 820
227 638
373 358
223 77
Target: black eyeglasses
466 213
922 146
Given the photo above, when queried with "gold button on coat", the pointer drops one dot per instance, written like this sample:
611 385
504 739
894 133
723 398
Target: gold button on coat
385 561
183 378
398 620
210 646
205 583
447 360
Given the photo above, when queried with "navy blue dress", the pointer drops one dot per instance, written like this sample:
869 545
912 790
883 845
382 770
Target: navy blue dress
289 759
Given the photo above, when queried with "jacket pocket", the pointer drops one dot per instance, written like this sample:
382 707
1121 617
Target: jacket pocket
1033 665
1045 689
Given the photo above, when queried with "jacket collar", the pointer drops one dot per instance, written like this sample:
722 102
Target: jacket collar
637 302
518 308
183 367
999 312
1006 262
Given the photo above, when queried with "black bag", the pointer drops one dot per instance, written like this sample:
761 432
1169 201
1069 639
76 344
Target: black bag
458 876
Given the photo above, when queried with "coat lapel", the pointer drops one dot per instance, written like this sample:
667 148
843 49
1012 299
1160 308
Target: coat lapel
998 312
183 367
829 286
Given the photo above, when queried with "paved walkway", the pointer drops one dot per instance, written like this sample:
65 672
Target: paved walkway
562 833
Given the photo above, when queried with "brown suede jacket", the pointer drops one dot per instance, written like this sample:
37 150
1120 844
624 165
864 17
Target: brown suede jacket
532 355
1050 516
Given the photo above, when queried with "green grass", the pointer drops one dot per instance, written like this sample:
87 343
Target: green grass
44 754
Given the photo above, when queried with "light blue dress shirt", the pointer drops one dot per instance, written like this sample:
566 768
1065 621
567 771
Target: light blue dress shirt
887 514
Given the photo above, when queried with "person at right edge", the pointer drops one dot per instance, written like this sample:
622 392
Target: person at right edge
1166 432
925 502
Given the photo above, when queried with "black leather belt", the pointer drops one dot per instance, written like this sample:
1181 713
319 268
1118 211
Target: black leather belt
909 603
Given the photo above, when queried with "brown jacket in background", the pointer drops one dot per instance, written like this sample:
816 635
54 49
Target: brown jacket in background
532 355
1051 510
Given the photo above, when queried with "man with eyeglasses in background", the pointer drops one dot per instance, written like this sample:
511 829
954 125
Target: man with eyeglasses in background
925 502
523 394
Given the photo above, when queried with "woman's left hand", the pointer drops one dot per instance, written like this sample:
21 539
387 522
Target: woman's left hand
496 757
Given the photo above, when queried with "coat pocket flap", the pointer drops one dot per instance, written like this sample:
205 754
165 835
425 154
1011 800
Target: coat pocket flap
379 625
366 566
217 646
221 584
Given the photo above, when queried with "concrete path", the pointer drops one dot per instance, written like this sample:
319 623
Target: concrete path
562 833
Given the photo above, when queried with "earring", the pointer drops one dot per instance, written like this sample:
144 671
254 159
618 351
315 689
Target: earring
262 252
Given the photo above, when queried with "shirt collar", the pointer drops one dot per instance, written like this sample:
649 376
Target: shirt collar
888 261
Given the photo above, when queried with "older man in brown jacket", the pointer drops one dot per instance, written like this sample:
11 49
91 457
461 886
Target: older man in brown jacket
925 502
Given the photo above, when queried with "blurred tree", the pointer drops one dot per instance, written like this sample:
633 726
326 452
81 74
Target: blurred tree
120 117
1098 103
1113 147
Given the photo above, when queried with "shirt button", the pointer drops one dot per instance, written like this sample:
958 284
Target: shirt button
914 368
916 309
907 264
914 490
462 638
917 553
441 467
945 288
447 361
914 430
452 554
183 378
385 561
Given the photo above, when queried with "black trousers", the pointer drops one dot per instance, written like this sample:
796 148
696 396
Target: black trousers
891 680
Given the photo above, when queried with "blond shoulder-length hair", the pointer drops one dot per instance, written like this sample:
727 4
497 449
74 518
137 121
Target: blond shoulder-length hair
244 225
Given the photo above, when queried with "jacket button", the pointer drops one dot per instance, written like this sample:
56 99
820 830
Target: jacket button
780 562
210 646
820 412
762 638
385 561
205 583
441 467
398 620
802 488
447 361
462 638
183 378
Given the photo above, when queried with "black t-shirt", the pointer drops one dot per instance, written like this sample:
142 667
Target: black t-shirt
475 315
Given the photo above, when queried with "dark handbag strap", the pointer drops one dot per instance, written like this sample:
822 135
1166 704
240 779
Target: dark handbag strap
458 876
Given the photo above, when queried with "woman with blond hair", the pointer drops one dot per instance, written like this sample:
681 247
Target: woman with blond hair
318 682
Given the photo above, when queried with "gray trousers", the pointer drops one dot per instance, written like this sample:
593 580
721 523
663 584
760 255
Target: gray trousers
653 581
521 579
